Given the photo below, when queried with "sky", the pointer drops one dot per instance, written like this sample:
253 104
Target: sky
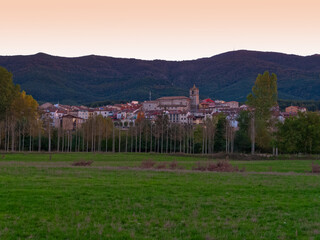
158 29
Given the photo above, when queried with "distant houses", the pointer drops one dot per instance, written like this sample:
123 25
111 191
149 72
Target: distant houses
71 117
179 109
295 109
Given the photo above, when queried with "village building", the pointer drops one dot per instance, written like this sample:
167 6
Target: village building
70 122
179 103
83 112
174 103
180 117
231 104
295 109
46 105
194 97
206 104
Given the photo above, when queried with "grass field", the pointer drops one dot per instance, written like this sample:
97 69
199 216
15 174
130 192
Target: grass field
43 197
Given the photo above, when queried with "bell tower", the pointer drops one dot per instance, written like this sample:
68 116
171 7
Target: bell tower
194 97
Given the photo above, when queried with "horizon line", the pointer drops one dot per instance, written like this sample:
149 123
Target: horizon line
157 59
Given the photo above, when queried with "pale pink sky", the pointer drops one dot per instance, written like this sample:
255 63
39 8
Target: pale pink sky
158 29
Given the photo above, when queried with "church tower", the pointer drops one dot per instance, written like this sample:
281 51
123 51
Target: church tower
194 96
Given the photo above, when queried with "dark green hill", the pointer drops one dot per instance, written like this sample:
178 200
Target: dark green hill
227 76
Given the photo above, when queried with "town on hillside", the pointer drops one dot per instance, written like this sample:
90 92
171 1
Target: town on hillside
179 109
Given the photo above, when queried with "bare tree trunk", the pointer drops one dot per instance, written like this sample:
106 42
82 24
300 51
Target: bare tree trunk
180 136
232 138
113 140
159 134
119 140
8 144
183 140
131 139
58 140
151 137
136 139
210 142
213 139
170 139
49 137
167 143
140 137
32 143
71 140
63 140
30 139
186 139
23 136
99 134
87 137
106 136
206 140
0 134
92 142
154 138
76 142
146 143
82 139
226 136
162 137
190 135
127 140
203 137
12 136
39 140
79 140
189 139
252 135
19 147
5 133
193 140
273 150
68 141
175 139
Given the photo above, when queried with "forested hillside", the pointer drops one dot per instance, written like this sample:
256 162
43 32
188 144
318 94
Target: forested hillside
227 76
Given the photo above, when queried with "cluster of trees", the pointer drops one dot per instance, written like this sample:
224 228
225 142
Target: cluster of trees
18 114
300 134
24 128
99 134
263 130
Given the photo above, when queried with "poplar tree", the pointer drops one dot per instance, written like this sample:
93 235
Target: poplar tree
263 98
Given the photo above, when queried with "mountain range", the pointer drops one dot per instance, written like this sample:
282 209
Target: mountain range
227 76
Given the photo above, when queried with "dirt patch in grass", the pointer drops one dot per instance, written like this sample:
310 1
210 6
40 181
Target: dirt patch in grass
151 164
315 168
220 166
161 165
173 165
82 163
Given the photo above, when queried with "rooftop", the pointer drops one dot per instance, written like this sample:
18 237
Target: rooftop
173 97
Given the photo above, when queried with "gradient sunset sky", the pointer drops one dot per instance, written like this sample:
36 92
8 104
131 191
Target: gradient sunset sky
152 29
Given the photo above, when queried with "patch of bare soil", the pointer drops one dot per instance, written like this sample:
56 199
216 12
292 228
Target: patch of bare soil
315 168
221 166
151 164
82 163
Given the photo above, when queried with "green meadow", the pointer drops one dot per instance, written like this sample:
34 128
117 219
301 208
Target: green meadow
44 196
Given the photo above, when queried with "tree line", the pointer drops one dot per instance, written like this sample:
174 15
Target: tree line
24 128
